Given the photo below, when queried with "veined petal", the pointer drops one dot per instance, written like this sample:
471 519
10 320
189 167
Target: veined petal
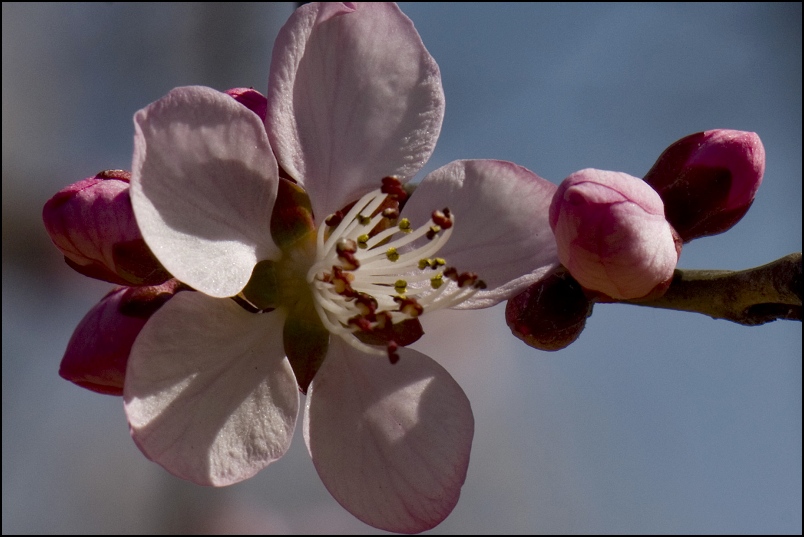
354 96
203 186
501 230
209 394
390 442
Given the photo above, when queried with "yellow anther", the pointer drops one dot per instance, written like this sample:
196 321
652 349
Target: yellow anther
392 254
404 225
433 263
437 281
362 241
363 220
400 286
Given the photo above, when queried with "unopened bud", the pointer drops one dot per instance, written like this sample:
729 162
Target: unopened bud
98 351
612 235
708 180
251 99
92 223
551 313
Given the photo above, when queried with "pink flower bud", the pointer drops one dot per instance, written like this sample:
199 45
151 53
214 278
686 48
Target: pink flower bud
708 180
551 313
251 99
92 223
97 354
612 235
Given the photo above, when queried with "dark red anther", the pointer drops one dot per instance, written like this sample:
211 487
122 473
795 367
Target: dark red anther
342 282
451 273
467 278
393 356
360 322
443 219
334 219
393 188
367 305
382 321
409 306
391 213
346 248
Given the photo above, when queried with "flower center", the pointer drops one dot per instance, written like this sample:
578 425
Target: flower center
373 271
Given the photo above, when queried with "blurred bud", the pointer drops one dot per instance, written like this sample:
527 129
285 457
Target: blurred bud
97 354
92 223
251 99
551 313
708 180
612 235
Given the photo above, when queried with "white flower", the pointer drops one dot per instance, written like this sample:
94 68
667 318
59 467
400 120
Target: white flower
210 394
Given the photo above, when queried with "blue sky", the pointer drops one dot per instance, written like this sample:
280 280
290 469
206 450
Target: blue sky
652 422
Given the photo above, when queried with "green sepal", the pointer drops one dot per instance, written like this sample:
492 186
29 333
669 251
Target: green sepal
292 217
262 289
306 342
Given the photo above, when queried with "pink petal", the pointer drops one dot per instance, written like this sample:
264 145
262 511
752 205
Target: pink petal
612 235
501 229
390 442
353 97
209 394
203 185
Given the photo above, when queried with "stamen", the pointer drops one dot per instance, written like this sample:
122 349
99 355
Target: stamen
393 187
442 218
373 270
346 249
334 219
393 356
391 213
432 232
409 306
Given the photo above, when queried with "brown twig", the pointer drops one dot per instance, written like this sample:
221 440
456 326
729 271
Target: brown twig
750 297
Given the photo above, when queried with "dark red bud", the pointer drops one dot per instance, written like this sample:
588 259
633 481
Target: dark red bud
550 314
708 180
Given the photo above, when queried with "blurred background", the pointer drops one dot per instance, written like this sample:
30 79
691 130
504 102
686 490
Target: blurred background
652 422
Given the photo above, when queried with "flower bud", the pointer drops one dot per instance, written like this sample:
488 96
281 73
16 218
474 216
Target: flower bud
97 354
92 223
251 99
551 313
708 180
612 235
